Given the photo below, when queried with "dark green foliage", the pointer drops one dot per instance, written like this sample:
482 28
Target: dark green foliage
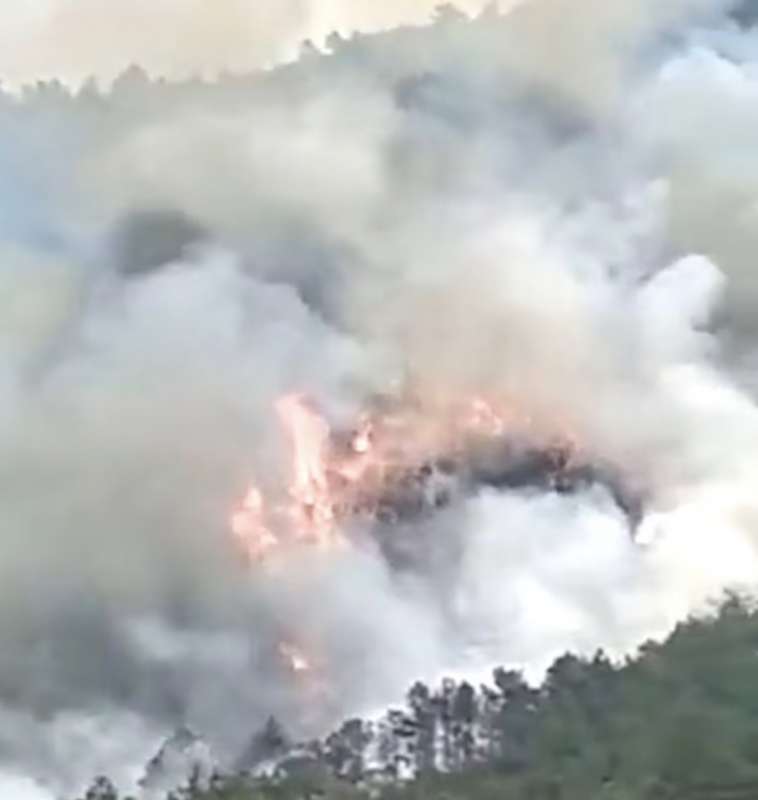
102 789
678 722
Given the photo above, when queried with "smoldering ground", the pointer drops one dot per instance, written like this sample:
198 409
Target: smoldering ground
466 205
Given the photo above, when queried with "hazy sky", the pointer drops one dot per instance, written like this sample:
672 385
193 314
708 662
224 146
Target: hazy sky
72 39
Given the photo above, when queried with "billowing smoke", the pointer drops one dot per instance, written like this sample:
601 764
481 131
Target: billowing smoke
181 38
554 206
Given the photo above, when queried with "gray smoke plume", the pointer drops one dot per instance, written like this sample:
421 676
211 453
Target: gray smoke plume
237 36
473 206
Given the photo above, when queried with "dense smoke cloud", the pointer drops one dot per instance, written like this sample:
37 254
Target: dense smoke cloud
472 207
180 38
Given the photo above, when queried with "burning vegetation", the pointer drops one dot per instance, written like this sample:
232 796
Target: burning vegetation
551 245
404 460
401 462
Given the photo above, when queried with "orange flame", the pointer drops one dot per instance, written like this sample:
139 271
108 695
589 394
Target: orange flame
331 480
249 527
309 434
337 478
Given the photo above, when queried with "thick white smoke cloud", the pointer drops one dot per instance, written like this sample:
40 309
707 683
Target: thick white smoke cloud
469 206
180 38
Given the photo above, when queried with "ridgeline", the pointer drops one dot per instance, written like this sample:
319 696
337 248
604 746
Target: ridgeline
679 720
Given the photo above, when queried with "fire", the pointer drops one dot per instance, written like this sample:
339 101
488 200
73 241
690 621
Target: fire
311 678
295 659
309 435
249 527
336 476
353 466
361 443
483 418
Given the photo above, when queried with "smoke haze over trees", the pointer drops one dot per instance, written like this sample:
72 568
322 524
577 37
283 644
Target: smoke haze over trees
474 206
181 38
676 721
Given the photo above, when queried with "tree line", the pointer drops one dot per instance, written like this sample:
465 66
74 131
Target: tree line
677 720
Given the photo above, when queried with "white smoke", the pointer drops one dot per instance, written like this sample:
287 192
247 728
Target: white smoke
21 788
468 205
181 38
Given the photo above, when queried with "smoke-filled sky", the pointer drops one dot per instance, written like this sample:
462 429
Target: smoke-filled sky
556 205
74 39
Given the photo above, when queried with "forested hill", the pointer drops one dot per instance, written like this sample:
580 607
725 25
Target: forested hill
678 720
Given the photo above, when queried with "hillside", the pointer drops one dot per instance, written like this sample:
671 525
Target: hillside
678 720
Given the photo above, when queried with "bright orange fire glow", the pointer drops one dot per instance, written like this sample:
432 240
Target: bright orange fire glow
329 479
309 435
249 527
334 477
